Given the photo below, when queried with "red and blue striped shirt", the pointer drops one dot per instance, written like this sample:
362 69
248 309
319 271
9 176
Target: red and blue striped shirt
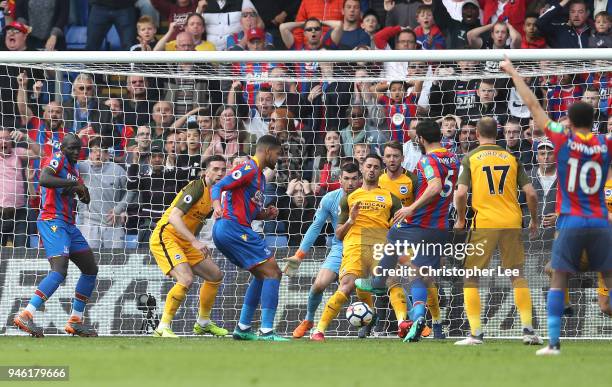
399 116
55 205
244 188
444 165
582 166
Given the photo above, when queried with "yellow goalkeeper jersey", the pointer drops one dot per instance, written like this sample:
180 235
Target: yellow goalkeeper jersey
195 202
376 209
402 187
495 177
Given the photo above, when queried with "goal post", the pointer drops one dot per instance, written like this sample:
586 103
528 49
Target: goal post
191 105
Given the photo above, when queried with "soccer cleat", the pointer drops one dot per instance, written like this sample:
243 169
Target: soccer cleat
471 340
76 327
210 328
426 331
271 336
244 334
414 334
317 336
549 350
366 330
530 337
403 327
165 332
438 332
25 322
365 284
302 329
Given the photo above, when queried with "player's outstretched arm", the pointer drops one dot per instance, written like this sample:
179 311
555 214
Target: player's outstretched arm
292 263
537 112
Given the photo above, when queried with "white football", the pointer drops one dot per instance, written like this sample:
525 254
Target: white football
359 314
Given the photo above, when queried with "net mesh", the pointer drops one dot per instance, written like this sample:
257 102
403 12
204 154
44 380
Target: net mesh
323 112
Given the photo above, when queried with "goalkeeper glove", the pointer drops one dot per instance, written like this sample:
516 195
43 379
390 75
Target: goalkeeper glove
292 264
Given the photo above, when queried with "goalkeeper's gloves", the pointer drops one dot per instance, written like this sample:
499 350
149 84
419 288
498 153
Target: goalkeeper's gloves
292 264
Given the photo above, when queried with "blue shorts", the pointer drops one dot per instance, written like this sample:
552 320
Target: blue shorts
60 238
334 259
240 244
428 243
577 233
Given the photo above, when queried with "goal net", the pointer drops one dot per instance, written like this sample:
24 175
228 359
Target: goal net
325 107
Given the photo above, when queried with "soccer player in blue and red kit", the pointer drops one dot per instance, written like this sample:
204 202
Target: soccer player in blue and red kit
582 165
62 240
234 237
423 222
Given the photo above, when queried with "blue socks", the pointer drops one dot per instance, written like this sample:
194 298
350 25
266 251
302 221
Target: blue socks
251 300
419 298
554 307
269 302
314 299
47 287
84 288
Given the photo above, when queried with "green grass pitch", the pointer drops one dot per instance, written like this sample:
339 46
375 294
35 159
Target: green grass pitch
127 361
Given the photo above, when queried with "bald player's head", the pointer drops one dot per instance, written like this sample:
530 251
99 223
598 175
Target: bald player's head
71 147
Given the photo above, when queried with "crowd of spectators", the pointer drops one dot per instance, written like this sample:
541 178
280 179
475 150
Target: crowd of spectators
144 138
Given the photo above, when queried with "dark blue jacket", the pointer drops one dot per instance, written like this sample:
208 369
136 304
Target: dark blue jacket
553 24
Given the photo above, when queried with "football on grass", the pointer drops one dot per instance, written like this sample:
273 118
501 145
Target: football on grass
359 314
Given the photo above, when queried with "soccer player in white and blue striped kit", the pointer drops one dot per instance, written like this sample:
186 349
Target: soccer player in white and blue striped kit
329 209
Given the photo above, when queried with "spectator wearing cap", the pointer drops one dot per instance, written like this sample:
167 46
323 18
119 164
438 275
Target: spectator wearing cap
455 31
15 39
544 180
249 22
275 13
370 23
223 19
245 93
102 220
13 190
104 14
156 187
560 32
16 36
47 18
353 34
